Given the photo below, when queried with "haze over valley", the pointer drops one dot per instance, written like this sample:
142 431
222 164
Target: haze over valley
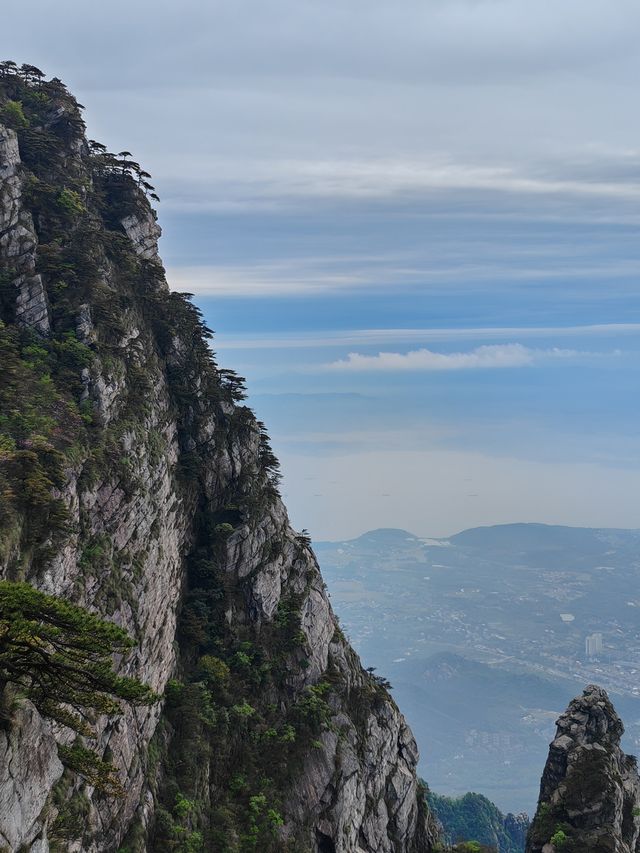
483 637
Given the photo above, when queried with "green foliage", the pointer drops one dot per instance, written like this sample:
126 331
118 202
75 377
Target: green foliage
227 716
551 825
263 823
94 554
40 426
473 818
70 821
12 114
183 807
243 709
60 656
213 671
98 773
312 710
559 839
288 622
70 202
176 836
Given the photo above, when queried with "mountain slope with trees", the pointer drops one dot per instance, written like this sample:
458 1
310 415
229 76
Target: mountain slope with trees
136 486
473 817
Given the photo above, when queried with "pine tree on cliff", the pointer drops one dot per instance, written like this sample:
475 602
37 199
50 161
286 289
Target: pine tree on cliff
60 657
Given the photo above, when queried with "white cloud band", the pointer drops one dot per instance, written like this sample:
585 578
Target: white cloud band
484 357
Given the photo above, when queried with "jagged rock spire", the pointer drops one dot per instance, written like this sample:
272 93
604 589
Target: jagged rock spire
590 790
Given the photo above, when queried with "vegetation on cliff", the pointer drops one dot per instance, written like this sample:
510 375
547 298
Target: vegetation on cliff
590 790
61 658
114 415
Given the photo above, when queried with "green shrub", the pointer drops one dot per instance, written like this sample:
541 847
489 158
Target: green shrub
559 839
213 671
243 710
13 115
183 806
70 202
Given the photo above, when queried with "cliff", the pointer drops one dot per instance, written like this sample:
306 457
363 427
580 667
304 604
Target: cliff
135 483
590 790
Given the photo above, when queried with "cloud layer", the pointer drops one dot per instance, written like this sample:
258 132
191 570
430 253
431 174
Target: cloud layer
373 176
362 337
241 103
487 357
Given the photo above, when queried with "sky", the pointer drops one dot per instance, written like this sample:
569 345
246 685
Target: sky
413 225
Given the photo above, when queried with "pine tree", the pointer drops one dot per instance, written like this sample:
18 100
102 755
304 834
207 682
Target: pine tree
60 657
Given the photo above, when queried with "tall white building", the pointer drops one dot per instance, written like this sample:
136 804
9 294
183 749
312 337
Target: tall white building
593 645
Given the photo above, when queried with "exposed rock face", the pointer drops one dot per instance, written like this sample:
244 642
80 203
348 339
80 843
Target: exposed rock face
172 519
18 239
590 790
29 765
143 231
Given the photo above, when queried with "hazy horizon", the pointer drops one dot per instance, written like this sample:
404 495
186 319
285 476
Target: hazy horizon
425 538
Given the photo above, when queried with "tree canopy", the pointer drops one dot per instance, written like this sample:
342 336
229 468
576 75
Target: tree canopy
61 657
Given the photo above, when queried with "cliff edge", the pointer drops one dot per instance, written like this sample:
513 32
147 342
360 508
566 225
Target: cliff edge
135 483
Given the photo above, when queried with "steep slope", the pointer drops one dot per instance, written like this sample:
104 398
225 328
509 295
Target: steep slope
133 482
590 790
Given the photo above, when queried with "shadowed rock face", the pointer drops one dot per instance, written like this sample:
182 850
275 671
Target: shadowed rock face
590 790
170 501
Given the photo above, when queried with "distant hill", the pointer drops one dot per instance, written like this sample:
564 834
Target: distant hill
473 817
385 536
483 636
523 537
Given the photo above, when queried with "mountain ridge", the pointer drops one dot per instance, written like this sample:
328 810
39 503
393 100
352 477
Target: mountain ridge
482 530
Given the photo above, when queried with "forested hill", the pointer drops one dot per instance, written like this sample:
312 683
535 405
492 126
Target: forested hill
473 817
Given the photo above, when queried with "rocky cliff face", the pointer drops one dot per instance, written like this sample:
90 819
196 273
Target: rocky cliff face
590 790
135 483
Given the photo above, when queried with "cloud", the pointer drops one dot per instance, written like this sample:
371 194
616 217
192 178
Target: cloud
309 276
363 337
397 39
388 177
226 101
268 183
260 280
487 357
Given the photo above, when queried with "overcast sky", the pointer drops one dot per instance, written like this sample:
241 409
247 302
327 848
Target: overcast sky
414 226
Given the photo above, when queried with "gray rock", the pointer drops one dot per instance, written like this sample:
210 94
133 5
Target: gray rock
29 767
18 239
144 233
132 527
590 789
